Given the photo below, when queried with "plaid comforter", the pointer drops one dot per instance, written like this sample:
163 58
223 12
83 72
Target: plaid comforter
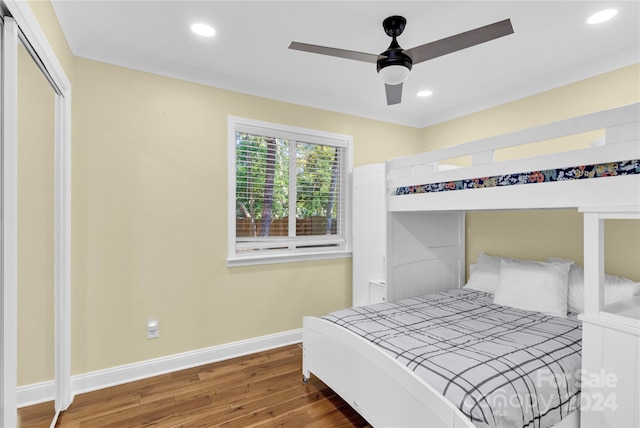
502 367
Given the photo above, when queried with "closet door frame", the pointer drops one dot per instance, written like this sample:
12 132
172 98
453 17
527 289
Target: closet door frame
9 219
33 38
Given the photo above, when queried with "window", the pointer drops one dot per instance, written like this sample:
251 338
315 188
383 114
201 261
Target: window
288 193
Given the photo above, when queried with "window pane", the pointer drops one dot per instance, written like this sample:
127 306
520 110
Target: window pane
317 175
262 186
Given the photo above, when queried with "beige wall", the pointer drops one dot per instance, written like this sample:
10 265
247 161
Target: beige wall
608 90
149 215
152 157
538 234
149 206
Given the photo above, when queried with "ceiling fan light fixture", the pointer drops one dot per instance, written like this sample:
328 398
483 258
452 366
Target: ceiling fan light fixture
394 74
394 65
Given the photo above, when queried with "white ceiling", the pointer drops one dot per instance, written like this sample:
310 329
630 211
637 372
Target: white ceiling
552 46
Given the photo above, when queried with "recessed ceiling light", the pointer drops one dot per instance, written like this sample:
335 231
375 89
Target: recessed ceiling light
203 30
602 16
425 93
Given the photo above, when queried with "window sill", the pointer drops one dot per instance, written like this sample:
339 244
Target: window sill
286 258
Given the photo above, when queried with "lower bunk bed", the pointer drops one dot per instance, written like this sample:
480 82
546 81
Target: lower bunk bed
449 359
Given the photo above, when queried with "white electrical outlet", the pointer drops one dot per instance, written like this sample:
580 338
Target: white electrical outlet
153 329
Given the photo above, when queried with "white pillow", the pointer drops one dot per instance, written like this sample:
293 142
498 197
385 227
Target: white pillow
533 286
483 276
615 287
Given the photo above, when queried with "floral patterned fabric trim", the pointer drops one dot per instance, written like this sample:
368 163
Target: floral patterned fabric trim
629 167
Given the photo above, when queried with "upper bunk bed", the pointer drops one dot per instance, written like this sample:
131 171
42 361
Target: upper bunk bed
605 174
427 198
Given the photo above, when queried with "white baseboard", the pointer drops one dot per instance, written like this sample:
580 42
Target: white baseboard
92 381
35 393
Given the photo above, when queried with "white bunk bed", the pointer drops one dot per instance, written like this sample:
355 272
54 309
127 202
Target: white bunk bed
425 253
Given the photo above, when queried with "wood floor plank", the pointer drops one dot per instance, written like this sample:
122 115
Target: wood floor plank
37 416
219 418
261 390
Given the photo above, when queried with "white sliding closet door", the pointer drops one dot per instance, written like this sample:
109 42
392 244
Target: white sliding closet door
35 150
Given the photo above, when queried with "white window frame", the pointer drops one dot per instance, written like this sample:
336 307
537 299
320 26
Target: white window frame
239 124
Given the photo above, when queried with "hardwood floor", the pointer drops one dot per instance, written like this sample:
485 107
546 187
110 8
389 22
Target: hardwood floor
258 390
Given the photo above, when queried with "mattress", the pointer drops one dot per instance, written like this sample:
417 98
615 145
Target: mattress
502 367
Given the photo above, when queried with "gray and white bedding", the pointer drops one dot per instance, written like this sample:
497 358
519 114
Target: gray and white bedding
502 367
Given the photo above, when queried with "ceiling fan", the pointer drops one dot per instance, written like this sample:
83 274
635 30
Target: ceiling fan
395 63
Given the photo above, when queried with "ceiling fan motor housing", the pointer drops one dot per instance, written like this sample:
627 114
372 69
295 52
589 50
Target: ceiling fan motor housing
394 55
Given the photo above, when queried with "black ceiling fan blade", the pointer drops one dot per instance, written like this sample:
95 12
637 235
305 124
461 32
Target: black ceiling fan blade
340 53
394 93
460 41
